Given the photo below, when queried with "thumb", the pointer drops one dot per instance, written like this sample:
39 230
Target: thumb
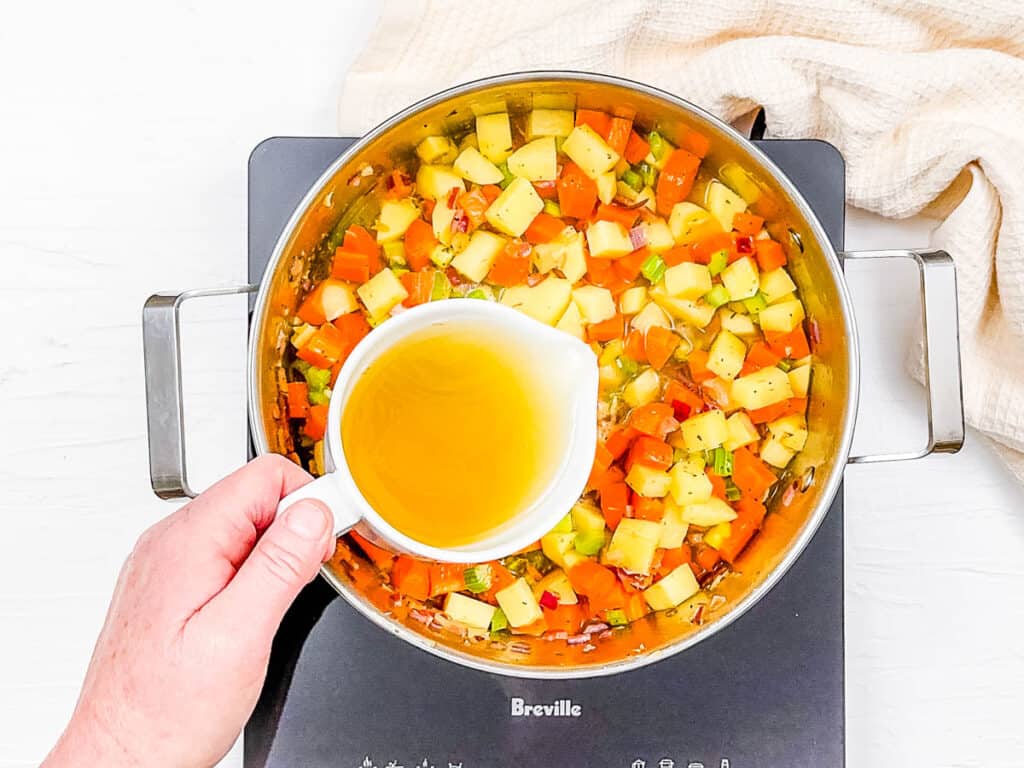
285 559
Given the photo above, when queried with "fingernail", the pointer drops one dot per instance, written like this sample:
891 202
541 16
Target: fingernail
308 519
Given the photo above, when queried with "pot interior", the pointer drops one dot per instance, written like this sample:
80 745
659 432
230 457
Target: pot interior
302 256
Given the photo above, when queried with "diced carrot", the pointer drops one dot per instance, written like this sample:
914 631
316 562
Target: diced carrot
328 343
316 423
717 484
751 475
544 228
636 606
379 556
411 577
311 310
491 192
593 580
759 356
747 223
661 343
548 190
636 148
446 577
359 240
474 204
350 265
501 577
512 266
419 286
600 271
599 121
650 452
618 213
614 500
654 419
648 509
676 179
698 365
419 243
298 400
676 391
606 330
707 558
577 192
778 410
634 346
564 618
628 267
428 209
535 629
614 599
694 142
618 442
677 255
793 344
353 327
749 515
619 130
673 558
603 458
769 255
705 248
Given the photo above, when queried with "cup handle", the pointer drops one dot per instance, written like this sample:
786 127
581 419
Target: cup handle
325 489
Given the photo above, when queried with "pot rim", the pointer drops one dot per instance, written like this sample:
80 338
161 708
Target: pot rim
831 487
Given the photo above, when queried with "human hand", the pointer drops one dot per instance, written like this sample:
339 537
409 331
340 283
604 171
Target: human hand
183 653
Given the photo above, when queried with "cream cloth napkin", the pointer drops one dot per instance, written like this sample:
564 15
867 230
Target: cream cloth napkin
924 98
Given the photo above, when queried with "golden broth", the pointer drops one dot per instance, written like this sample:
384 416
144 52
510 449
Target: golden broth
448 435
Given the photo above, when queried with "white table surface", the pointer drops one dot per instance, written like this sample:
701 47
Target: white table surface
125 131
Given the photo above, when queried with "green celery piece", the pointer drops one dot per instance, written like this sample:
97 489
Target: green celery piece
508 176
442 287
477 578
564 525
628 366
719 261
616 617
394 252
653 268
659 147
633 180
499 621
732 493
648 173
755 303
539 560
477 293
589 542
785 365
301 366
552 208
319 397
717 296
317 378
722 462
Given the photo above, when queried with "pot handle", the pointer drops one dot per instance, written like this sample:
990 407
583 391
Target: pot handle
942 375
165 426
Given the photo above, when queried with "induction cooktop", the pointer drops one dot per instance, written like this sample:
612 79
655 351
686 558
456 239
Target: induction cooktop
765 692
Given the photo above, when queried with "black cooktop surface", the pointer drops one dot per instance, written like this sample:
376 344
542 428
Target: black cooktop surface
765 692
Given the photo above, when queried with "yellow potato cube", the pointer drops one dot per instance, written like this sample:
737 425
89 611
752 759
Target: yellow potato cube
687 280
589 151
560 548
535 161
587 518
673 527
494 135
705 431
608 240
741 431
708 513
435 148
671 590
689 223
515 208
336 299
632 300
382 293
735 322
434 181
726 355
695 312
689 484
776 284
606 187
648 317
519 604
574 261
395 217
595 304
782 317
571 322
761 388
557 583
773 452
723 204
642 390
478 257
633 545
466 610
717 535
648 481
473 166
659 236
545 302
800 380
547 256
549 122
741 279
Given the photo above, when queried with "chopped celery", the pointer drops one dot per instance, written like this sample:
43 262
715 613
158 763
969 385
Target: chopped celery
507 176
589 542
648 173
394 252
654 268
659 147
755 303
301 366
552 208
539 560
616 617
477 578
564 525
317 378
785 365
633 180
721 462
477 293
319 396
717 296
629 367
732 493
442 287
499 621
719 261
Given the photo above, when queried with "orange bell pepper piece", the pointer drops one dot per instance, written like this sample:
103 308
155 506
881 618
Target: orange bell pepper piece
751 475
298 400
793 344
316 423
606 330
636 148
577 192
411 577
698 365
379 556
599 121
419 243
654 419
620 214
359 240
350 265
512 265
614 500
544 228
769 255
650 452
419 285
747 223
660 345
676 179
628 267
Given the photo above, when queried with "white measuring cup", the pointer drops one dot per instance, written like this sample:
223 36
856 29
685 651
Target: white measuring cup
570 368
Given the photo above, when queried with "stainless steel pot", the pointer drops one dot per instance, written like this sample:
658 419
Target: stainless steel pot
816 267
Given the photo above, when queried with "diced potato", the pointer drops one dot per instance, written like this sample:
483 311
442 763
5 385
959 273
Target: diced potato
441 255
708 513
687 280
659 236
435 148
434 181
723 204
648 317
519 604
382 293
697 313
610 352
515 208
469 140
441 221
642 390
673 527
671 590
548 256
719 390
790 430
589 151
704 431
557 583
545 302
632 300
741 279
395 217
466 610
773 452
647 481
587 518
800 380
608 240
337 298
574 261
776 284
610 377
736 323
301 334
688 223
717 535
633 544
741 431
478 257
606 187
782 317
549 122
494 135
736 176
560 548
761 388
473 166
535 161
595 304
795 442
690 485
726 355
571 322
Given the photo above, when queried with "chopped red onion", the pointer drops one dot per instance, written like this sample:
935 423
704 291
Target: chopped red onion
604 635
519 648
638 237
595 626
577 639
815 332
560 634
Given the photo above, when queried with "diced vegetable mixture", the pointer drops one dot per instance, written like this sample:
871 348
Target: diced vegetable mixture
625 238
